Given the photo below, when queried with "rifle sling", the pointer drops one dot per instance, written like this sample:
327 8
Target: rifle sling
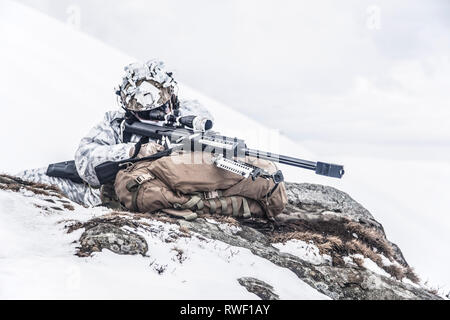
107 171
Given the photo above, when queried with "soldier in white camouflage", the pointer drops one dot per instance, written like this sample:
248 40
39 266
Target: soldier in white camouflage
145 86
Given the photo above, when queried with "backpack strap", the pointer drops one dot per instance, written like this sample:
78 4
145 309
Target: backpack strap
134 186
138 145
224 205
185 210
192 202
212 206
200 205
196 203
247 213
234 205
126 137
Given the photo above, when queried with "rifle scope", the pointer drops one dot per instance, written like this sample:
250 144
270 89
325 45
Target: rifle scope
196 123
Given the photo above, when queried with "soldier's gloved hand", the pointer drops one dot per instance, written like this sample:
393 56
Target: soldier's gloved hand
147 149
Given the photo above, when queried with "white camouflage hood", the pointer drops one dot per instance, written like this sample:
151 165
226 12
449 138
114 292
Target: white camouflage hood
146 86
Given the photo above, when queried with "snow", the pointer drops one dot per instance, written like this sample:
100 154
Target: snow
56 83
306 251
38 262
371 265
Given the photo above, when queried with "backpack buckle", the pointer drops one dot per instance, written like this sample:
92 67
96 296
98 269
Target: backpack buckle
143 178
211 194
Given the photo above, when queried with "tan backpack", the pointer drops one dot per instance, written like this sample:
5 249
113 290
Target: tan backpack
185 183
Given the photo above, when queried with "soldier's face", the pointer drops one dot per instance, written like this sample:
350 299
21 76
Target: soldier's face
156 114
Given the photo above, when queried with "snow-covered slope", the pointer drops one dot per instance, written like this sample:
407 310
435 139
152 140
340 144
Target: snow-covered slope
56 83
38 260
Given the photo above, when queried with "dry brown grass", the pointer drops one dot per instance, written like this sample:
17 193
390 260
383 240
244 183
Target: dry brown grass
14 187
220 218
337 247
371 237
68 206
159 216
179 254
395 271
325 247
359 262
357 246
336 242
184 230
8 182
411 275
338 231
305 236
73 226
337 260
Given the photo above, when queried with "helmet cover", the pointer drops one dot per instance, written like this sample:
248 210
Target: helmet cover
146 86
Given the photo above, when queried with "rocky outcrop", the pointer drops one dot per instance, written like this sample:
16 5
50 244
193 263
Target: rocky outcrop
336 280
316 204
108 236
258 287
353 259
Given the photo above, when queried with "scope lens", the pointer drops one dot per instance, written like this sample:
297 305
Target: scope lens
208 124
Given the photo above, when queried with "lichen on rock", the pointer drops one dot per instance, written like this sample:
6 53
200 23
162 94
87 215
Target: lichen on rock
108 236
260 288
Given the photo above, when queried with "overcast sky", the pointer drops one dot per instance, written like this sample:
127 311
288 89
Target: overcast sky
359 62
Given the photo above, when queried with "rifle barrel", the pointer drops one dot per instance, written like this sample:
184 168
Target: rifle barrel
321 168
156 132
306 164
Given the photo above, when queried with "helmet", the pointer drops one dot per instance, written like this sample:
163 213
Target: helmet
146 86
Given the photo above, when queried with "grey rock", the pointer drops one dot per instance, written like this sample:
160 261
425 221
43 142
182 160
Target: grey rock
111 237
313 200
348 282
262 289
317 204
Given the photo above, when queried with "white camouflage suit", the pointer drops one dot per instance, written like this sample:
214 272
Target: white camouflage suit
104 142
